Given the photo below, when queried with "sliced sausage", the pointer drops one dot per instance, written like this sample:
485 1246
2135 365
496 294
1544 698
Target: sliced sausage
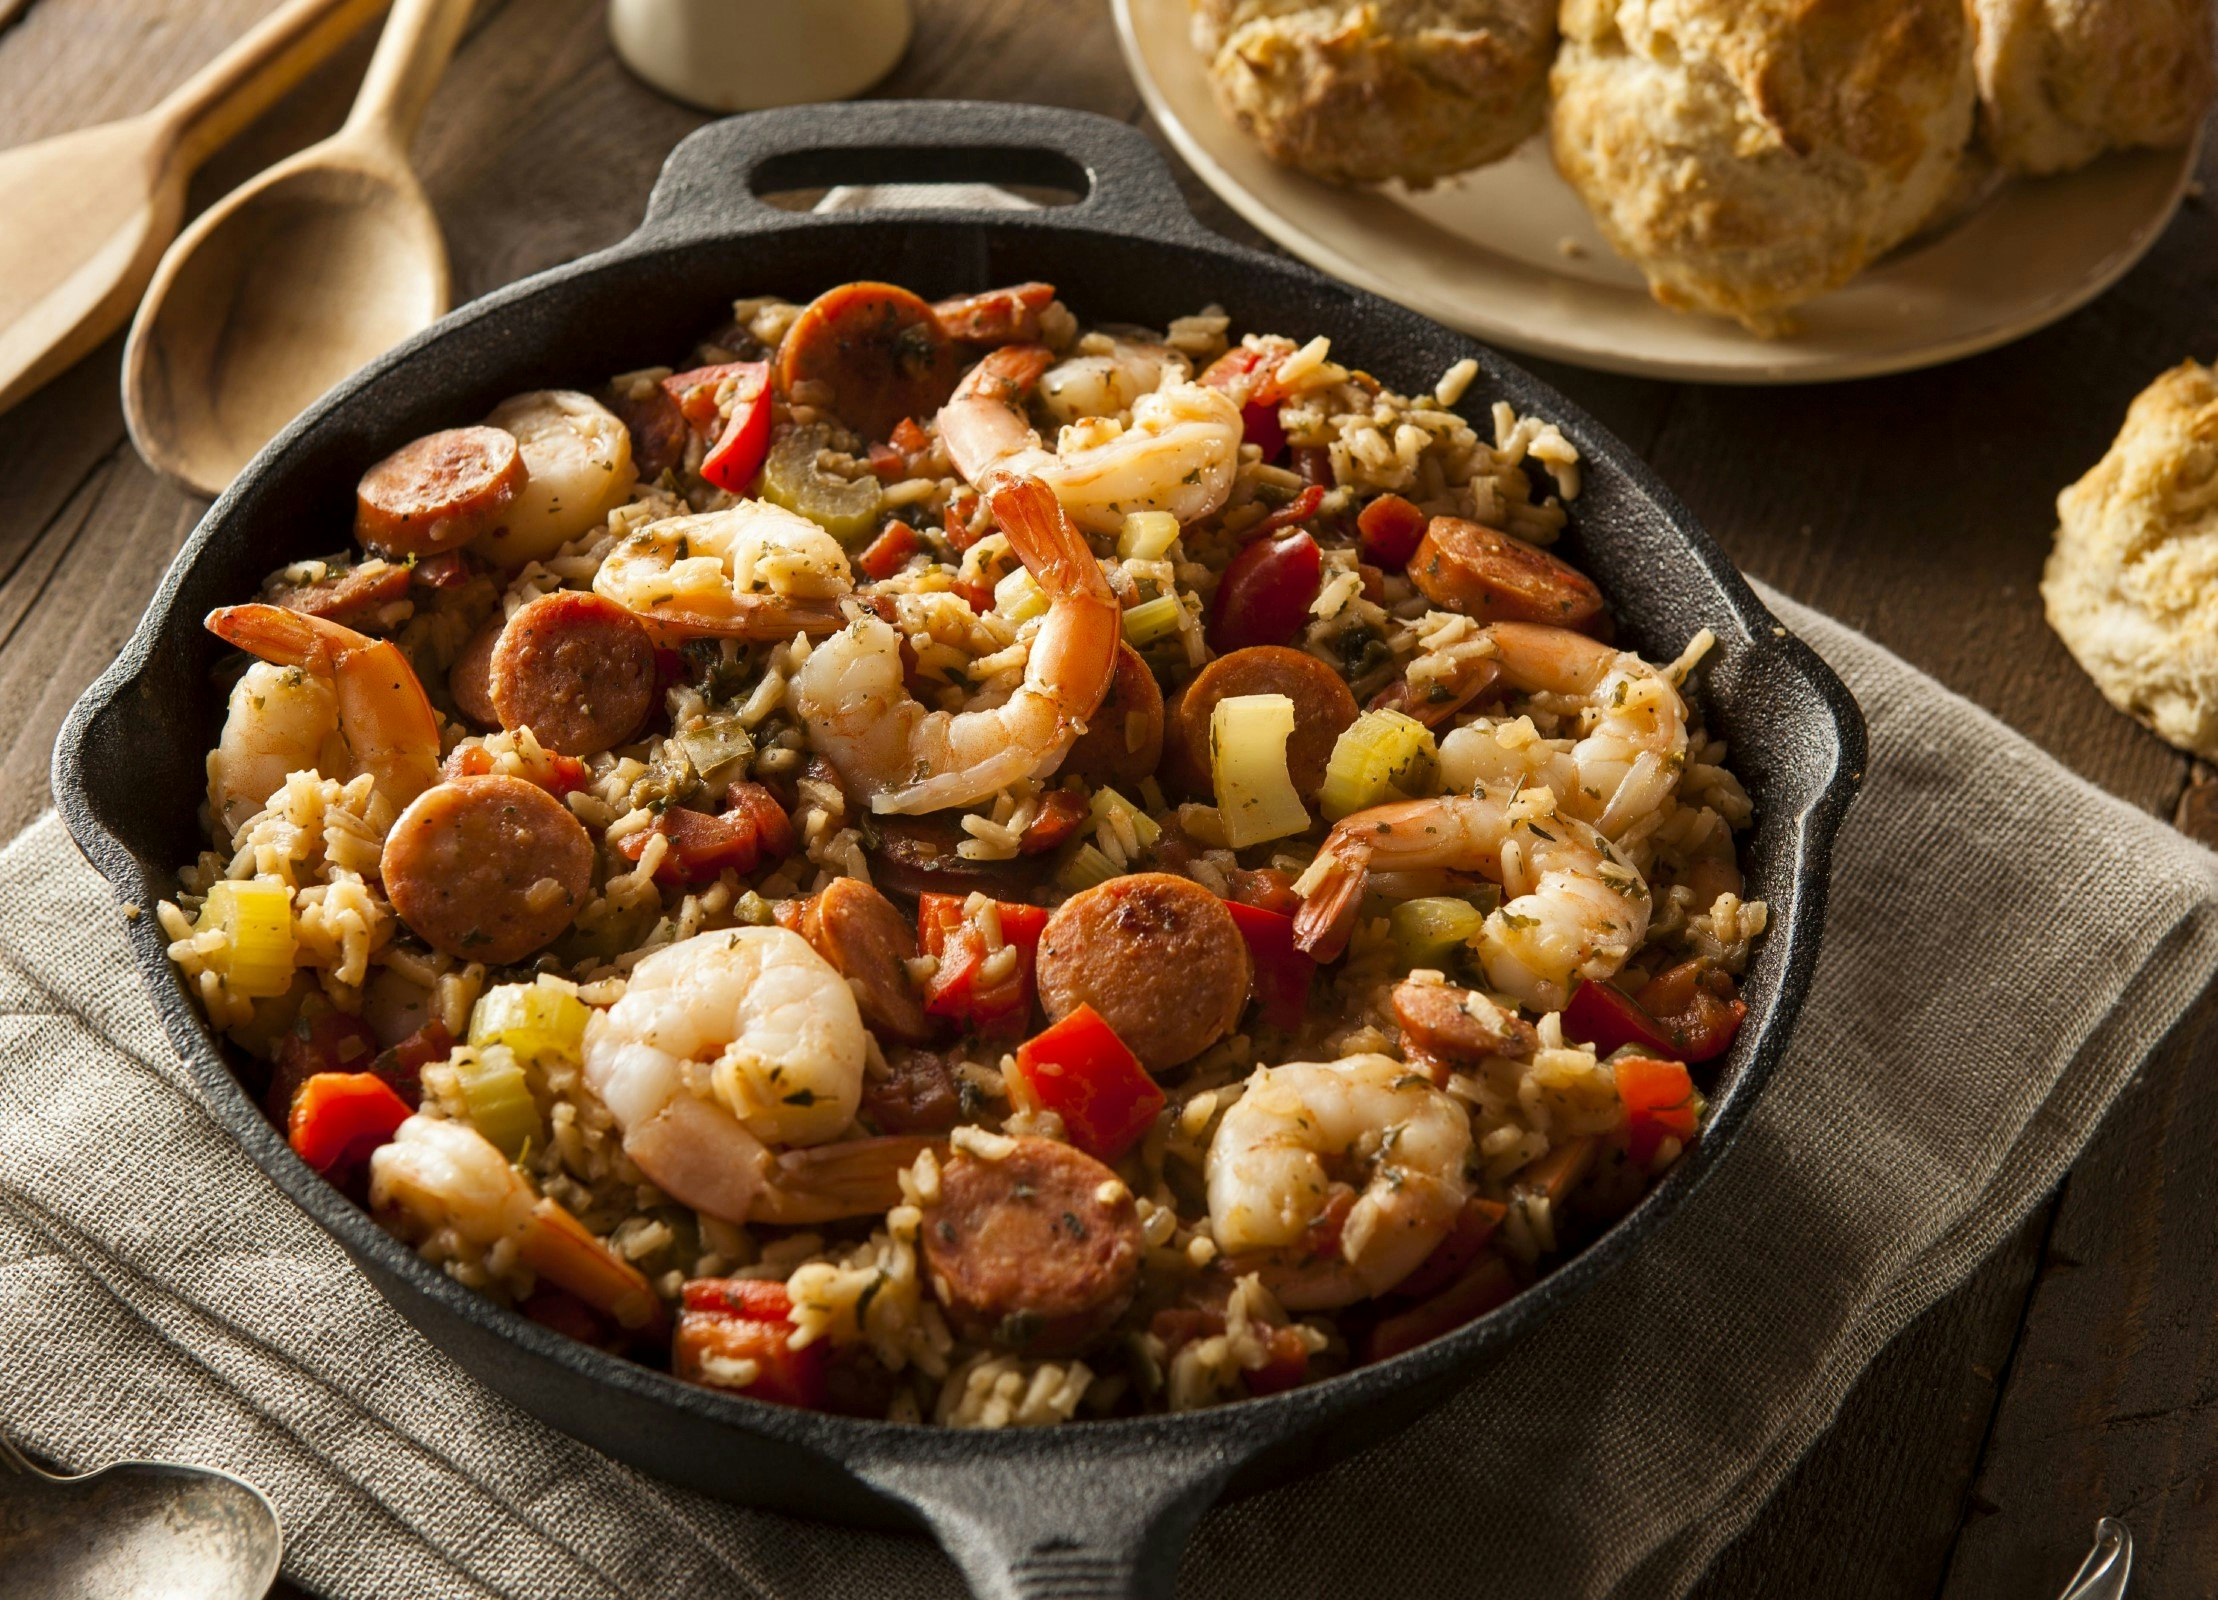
998 316
657 427
1123 741
1440 698
346 595
577 669
1471 568
1158 956
438 492
878 349
918 1094
1323 708
1458 1027
470 679
487 869
1038 1251
857 930
912 856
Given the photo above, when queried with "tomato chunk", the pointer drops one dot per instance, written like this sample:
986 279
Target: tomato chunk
1079 1069
1296 511
1660 1103
741 428
889 552
1249 376
1696 1007
961 988
1265 594
753 829
1390 528
1259 426
1609 1019
1061 812
1281 973
1487 1284
1285 1364
338 1118
729 1320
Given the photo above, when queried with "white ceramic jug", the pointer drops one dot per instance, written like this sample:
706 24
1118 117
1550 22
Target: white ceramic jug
743 55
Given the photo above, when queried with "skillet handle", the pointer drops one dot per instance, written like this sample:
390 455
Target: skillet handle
712 182
1077 1519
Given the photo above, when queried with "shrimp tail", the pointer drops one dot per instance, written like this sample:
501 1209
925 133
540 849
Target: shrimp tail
1045 539
1327 918
828 1182
284 637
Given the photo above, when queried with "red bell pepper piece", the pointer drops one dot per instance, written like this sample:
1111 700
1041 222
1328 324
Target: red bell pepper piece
889 552
734 459
957 989
1265 594
738 1319
1484 1286
1079 1069
1660 1103
1249 376
338 1118
1259 426
1609 1019
753 829
1280 981
331 1041
1390 529
1696 1008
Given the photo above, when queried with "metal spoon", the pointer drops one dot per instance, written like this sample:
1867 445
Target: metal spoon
138 1530
296 278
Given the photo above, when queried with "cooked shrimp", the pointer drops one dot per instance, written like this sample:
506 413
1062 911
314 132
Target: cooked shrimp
439 1176
851 698
1576 908
751 571
1622 769
1177 455
729 1044
328 698
1306 1127
1104 382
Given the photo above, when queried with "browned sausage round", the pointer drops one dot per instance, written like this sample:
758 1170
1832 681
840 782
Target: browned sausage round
857 930
575 668
487 869
1471 568
918 1094
658 428
912 856
470 679
1159 957
1323 708
438 492
1441 1022
348 595
1123 740
1039 1251
880 351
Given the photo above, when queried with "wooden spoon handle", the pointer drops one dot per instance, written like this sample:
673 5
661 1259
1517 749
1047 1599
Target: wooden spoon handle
231 91
411 54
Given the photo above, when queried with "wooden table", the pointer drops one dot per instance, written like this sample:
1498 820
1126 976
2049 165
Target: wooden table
2076 1374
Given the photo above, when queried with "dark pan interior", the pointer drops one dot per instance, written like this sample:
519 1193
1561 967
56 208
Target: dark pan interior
1128 253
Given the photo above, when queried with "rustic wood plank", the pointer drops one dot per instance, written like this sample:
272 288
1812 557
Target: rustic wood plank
2112 1404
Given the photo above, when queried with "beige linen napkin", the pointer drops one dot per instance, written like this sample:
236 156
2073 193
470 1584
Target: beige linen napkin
2006 945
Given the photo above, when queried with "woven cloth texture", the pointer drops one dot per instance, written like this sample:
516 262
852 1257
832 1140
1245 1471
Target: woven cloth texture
2005 946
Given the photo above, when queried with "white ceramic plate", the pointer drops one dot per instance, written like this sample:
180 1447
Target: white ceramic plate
1509 253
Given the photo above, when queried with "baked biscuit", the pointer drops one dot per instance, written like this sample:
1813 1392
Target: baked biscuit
1748 155
2132 584
1409 89
2061 81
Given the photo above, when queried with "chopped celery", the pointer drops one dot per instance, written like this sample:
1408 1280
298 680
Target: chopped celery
1151 620
753 911
1019 597
538 1021
1147 535
845 508
1381 756
719 748
1256 799
1108 803
1428 931
257 916
498 1099
1085 867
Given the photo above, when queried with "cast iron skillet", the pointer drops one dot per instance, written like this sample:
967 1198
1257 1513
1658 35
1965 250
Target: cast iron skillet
1098 1508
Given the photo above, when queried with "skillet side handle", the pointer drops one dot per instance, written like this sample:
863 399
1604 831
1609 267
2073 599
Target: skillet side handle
712 183
1061 1523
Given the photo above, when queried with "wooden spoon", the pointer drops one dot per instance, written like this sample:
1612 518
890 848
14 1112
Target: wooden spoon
296 278
89 212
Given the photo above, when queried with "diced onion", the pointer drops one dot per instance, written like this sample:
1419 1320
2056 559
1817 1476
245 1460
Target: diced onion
1019 597
256 915
1381 756
1426 931
1256 798
537 1021
719 748
1151 620
498 1100
1147 535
